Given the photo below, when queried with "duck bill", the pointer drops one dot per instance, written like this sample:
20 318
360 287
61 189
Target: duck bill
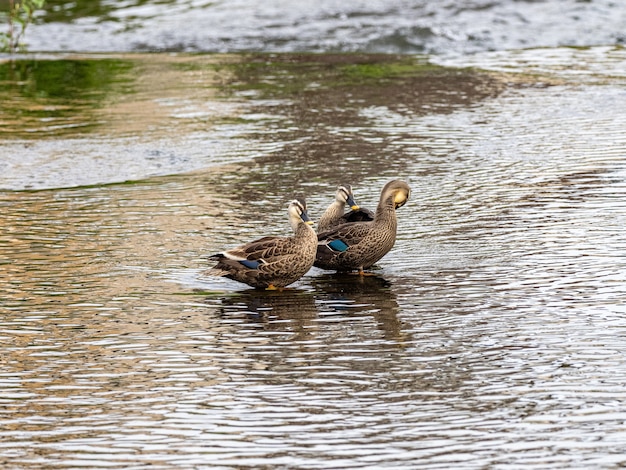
306 219
352 203
401 198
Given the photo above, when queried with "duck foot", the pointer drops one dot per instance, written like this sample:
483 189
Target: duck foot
273 287
362 273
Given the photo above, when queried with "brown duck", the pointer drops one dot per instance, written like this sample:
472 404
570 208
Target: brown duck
334 214
358 245
272 262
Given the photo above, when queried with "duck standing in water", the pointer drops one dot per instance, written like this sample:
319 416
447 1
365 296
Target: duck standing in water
358 245
334 215
272 262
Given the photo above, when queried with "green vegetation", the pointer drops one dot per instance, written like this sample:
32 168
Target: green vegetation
19 15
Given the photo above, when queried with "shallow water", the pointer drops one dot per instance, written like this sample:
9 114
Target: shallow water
492 336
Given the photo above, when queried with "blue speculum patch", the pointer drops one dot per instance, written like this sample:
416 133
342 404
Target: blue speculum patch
338 245
250 264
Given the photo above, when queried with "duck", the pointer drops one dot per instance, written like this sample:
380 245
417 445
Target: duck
272 262
334 214
358 245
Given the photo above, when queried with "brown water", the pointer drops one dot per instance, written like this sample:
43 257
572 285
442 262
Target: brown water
492 336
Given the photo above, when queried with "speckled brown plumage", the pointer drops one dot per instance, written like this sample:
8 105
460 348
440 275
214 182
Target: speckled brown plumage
359 245
272 262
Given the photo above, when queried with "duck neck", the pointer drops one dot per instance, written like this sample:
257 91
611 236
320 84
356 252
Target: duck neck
386 213
336 209
304 230
295 221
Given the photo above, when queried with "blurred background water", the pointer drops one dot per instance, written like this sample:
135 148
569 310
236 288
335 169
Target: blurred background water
387 26
491 336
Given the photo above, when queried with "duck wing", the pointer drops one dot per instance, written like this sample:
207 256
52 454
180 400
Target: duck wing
261 251
344 236
360 215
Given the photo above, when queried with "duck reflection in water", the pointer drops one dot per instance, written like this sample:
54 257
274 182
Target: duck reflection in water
291 311
301 313
371 295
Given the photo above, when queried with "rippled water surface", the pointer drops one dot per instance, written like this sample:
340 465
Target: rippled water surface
492 336
389 26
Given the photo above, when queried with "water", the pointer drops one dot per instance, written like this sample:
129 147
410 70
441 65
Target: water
387 26
490 337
